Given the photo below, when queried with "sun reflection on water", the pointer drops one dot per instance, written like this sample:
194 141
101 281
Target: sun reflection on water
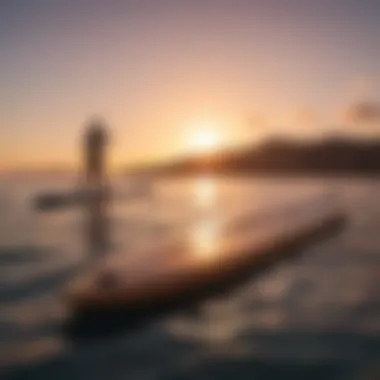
205 234
205 192
204 239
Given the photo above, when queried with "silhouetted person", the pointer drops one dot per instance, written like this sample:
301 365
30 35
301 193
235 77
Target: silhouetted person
95 143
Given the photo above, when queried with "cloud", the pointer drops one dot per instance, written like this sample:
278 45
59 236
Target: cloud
257 120
360 87
362 113
304 116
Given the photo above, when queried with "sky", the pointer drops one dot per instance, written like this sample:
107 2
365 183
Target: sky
158 70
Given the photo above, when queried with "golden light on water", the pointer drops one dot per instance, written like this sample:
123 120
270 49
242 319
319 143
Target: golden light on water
204 239
204 236
205 192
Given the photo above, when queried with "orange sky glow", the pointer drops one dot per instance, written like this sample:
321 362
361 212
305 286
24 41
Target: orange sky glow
173 78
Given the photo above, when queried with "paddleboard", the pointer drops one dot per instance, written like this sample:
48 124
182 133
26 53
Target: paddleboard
206 254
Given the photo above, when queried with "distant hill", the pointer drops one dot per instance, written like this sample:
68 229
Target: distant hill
334 156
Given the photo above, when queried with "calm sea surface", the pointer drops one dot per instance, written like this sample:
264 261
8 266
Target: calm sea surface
316 316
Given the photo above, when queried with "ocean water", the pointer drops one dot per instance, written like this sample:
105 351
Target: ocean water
315 316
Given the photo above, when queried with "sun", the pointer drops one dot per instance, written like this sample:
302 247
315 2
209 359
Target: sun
204 138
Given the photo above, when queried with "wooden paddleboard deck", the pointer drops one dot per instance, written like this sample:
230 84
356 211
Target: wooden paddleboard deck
207 254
